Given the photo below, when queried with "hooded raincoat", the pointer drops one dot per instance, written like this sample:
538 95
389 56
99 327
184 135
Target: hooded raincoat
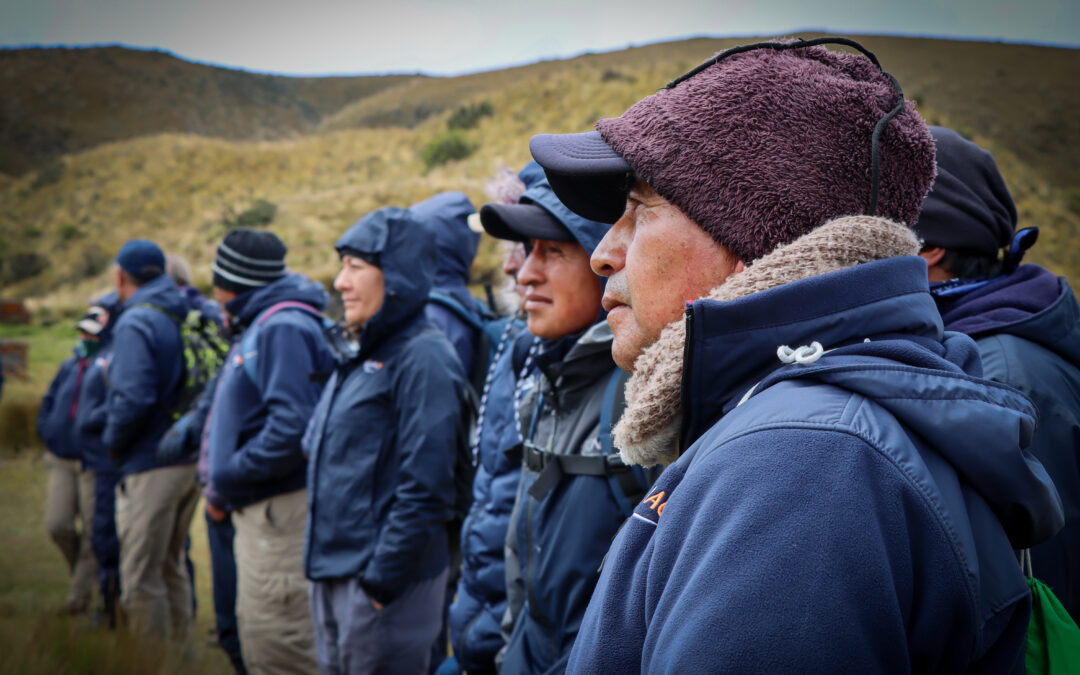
856 512
256 423
1027 327
455 246
383 437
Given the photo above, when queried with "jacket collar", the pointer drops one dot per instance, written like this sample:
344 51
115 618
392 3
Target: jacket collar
800 292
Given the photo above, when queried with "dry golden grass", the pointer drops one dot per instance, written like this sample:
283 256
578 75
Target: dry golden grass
179 189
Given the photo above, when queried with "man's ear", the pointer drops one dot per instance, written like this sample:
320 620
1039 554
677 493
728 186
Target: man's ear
932 254
935 270
739 267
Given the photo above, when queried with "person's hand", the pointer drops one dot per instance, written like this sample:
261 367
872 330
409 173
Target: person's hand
217 515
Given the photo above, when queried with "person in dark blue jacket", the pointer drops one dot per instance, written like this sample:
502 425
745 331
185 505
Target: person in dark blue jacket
264 396
842 491
382 447
455 244
154 500
1024 319
480 600
89 422
574 492
70 496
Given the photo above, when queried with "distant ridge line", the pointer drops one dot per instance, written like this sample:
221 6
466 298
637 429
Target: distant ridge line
794 32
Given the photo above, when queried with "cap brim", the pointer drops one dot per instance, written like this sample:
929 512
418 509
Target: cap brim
585 173
89 326
522 222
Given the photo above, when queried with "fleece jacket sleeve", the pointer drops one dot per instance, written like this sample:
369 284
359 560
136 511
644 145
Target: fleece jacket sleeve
287 357
428 393
787 550
134 384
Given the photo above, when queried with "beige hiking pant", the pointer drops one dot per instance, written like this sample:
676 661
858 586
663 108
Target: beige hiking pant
272 609
71 497
153 514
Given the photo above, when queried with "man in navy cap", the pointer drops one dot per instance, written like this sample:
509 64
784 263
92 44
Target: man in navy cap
1024 319
154 501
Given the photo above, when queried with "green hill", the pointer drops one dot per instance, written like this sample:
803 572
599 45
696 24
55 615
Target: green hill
61 224
56 101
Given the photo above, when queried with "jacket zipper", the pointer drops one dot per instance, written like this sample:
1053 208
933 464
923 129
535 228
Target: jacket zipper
684 394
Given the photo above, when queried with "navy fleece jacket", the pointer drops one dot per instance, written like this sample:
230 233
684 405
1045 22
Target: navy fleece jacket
856 514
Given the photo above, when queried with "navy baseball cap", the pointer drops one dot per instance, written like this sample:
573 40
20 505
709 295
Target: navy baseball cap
522 222
588 176
142 259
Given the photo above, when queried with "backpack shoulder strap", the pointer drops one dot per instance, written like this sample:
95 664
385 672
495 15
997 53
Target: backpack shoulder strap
459 310
159 308
249 344
629 483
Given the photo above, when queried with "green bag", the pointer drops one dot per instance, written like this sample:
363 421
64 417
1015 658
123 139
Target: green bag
1053 639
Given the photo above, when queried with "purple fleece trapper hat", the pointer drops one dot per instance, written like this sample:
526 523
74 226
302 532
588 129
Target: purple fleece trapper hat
758 148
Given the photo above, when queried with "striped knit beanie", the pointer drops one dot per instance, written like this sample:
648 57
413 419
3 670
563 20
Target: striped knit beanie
248 259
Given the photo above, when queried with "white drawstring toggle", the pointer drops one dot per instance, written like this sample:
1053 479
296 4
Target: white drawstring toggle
802 355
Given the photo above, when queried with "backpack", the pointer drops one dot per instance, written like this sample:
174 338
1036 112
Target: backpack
489 327
1053 639
628 484
493 333
203 351
249 348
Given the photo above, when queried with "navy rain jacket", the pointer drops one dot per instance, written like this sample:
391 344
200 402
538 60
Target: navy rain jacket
256 424
455 245
93 398
478 608
856 514
55 422
144 375
383 438
1027 327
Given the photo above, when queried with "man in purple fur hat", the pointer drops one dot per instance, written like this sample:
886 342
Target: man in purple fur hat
842 492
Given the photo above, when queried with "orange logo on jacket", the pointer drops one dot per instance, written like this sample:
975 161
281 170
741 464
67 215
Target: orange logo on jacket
652 507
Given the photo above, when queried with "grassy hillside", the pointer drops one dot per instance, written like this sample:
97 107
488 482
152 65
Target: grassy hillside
64 223
55 101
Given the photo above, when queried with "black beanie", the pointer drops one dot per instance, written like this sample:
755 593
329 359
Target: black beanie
969 209
248 259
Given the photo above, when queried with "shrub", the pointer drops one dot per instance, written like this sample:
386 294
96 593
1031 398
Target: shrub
611 75
94 261
468 116
47 176
260 214
23 266
446 147
69 231
17 420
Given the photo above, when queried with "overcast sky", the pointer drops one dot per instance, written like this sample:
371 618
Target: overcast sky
456 36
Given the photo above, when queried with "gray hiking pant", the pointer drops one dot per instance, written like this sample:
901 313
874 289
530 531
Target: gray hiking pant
71 496
272 612
153 514
353 637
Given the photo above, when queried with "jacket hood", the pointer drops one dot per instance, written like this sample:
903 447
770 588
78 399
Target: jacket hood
1030 303
290 288
447 214
162 292
407 256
